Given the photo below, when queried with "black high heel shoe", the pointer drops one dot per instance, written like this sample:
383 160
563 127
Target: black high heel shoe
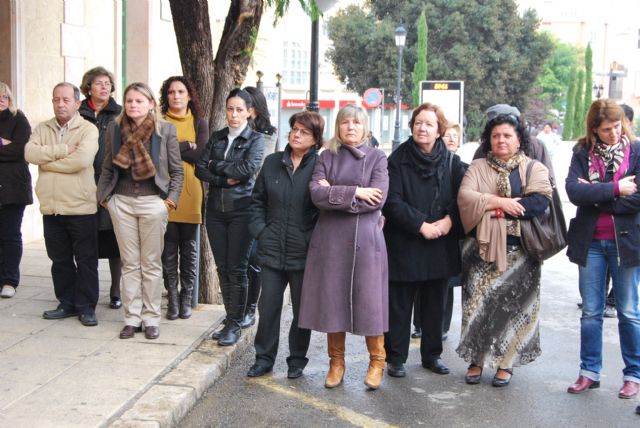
474 379
502 382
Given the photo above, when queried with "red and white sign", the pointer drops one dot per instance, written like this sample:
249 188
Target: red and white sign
301 104
372 98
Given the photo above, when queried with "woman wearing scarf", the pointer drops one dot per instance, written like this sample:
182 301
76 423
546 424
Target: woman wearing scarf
605 234
500 282
140 183
422 238
179 105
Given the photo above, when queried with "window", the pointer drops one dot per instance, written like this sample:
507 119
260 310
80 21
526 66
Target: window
296 64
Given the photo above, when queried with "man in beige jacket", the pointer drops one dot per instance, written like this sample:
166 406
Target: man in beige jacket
64 148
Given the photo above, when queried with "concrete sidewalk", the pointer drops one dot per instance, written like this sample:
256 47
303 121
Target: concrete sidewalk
62 374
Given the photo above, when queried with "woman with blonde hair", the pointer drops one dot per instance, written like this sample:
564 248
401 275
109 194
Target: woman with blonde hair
345 285
605 235
15 189
140 183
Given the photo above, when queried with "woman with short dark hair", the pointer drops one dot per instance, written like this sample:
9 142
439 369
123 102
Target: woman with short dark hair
282 219
500 281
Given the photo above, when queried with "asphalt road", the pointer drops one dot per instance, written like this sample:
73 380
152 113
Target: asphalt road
536 397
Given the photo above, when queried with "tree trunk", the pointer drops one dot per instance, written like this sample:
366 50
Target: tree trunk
234 53
213 80
193 35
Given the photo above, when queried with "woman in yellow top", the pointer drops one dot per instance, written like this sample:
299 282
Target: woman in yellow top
179 105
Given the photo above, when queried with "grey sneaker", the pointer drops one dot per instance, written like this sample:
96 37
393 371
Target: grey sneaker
8 291
610 311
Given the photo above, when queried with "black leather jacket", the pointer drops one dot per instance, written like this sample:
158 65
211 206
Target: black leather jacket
241 162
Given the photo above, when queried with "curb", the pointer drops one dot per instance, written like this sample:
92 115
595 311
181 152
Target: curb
172 395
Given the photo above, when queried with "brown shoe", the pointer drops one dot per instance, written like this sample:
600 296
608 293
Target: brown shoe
629 389
129 331
377 355
582 384
152 332
335 347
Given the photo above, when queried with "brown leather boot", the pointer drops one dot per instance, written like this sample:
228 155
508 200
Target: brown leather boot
375 345
335 348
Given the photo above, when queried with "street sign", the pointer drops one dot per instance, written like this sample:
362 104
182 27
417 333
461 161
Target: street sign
372 98
446 94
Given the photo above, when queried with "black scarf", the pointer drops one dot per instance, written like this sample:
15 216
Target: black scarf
429 165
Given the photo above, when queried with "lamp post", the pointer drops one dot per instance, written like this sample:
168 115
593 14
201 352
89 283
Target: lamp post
323 6
401 37
259 84
279 86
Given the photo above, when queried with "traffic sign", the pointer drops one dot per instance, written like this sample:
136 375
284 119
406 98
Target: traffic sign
372 98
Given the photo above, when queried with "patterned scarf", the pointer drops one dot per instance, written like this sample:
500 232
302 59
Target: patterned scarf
132 153
504 169
605 158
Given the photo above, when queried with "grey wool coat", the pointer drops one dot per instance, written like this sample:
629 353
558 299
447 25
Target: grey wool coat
345 286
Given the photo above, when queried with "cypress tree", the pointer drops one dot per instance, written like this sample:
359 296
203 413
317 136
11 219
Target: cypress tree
420 68
588 81
567 129
578 121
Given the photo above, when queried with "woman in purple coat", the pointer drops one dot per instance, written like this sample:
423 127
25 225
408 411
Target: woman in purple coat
345 281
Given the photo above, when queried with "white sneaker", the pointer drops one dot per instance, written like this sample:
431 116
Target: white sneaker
8 291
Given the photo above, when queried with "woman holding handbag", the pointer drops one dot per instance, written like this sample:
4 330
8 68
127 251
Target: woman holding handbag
605 234
500 281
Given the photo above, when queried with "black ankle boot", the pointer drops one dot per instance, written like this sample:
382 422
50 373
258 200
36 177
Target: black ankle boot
186 296
230 334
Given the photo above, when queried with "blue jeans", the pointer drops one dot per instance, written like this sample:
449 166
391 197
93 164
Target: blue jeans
603 254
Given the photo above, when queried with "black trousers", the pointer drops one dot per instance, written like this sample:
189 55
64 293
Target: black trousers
274 283
230 244
10 244
432 295
72 246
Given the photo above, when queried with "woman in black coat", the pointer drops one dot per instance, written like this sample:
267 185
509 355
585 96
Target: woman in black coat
422 237
282 218
100 108
15 189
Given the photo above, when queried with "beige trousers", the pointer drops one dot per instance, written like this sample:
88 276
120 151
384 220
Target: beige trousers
139 224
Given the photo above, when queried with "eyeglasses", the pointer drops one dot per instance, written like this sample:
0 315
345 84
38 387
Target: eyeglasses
4 97
304 132
102 84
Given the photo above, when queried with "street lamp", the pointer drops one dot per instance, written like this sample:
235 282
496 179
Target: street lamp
259 84
401 37
598 90
313 105
279 86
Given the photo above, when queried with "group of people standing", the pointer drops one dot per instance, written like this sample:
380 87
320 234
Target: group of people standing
358 237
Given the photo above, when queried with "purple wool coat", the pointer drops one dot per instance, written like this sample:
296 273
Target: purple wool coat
345 286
